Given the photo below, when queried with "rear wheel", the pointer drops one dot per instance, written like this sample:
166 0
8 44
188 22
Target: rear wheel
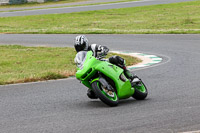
141 91
108 97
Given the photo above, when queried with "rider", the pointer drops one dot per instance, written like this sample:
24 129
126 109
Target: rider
81 44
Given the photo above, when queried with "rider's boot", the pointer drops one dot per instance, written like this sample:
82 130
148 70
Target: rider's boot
121 63
91 94
128 74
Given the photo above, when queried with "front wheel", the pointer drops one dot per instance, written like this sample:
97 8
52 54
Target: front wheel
141 91
108 97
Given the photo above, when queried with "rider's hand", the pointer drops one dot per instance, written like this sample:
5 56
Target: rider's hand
104 50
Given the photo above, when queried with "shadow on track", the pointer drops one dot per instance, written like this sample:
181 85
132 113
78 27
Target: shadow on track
125 102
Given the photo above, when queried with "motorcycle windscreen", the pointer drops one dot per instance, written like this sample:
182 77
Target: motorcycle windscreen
80 58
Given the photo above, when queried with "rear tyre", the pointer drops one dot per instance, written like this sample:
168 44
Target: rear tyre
109 98
141 91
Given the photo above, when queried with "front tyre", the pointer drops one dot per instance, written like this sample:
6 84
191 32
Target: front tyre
107 97
141 91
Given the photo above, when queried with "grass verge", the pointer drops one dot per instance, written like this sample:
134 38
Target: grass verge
19 64
170 18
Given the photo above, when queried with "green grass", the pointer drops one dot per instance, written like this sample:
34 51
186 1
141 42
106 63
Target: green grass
31 4
20 64
169 18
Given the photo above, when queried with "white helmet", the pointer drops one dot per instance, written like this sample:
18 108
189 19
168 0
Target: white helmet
81 43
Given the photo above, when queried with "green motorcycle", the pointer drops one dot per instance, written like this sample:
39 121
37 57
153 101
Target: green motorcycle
107 80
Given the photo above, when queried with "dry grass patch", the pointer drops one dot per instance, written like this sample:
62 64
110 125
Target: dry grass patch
19 64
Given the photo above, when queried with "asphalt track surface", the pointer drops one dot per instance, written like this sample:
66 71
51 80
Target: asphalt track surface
62 106
57 5
89 8
173 103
